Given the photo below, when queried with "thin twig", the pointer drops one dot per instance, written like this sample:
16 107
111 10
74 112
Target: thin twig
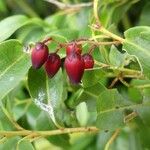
130 117
113 82
106 32
48 133
3 139
95 9
125 72
97 26
143 86
61 5
9 117
98 43
124 82
114 136
91 49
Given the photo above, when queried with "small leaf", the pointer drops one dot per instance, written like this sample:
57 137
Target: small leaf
75 98
137 43
115 57
14 64
119 59
82 114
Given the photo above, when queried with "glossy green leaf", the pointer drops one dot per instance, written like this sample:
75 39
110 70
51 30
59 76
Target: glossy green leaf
45 89
14 64
9 25
137 43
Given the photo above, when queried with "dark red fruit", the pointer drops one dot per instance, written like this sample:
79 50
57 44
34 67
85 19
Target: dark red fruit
88 61
74 66
73 48
39 55
52 64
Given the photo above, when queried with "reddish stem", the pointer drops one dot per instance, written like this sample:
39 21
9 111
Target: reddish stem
47 40
60 46
92 48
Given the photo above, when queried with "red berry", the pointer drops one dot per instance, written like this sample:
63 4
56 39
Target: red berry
74 66
52 64
73 47
88 61
39 55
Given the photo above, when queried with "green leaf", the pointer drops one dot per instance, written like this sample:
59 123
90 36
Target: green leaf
75 98
9 25
102 139
115 57
111 110
14 64
82 114
82 142
145 15
137 43
37 84
45 89
135 95
144 114
30 33
10 144
87 94
119 59
5 122
45 123
24 145
69 35
117 9
92 77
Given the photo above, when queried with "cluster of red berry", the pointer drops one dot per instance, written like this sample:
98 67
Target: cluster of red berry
75 63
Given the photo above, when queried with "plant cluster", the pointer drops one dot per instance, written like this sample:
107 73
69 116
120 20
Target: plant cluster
74 62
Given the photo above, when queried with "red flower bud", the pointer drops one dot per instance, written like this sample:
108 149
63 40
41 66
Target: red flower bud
88 61
52 64
74 66
39 55
73 48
